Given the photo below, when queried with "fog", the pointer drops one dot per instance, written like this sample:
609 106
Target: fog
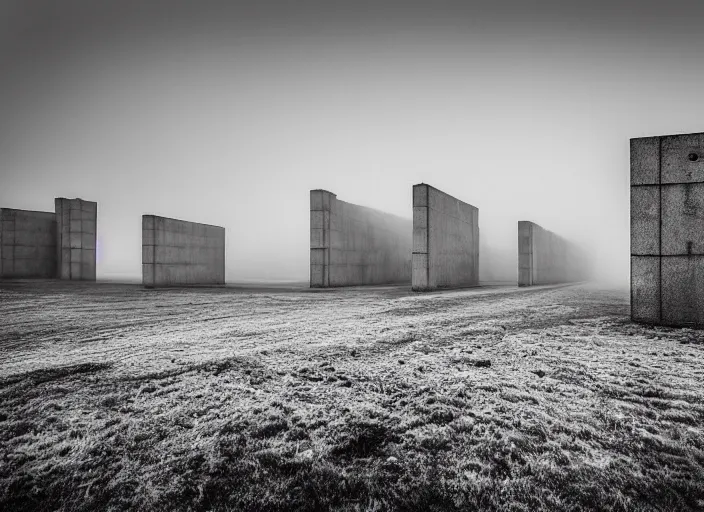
229 114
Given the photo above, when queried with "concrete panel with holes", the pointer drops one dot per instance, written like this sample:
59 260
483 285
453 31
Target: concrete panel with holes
667 230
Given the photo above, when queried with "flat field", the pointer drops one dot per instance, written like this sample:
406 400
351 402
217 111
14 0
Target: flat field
493 398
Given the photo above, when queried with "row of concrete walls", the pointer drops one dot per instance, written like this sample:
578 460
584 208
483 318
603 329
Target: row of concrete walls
177 252
546 258
27 244
355 245
667 230
46 245
445 240
76 228
63 244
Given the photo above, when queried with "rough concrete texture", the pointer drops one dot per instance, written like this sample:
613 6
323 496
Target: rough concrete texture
27 244
76 228
445 240
667 230
177 252
354 245
546 258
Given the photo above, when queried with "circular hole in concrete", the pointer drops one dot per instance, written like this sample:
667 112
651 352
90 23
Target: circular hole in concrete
693 157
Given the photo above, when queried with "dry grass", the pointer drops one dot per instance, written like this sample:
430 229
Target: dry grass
114 397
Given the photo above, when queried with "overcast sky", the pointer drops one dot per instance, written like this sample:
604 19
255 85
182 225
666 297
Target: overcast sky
229 114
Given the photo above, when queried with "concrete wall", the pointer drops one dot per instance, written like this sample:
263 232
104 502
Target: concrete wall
445 240
546 258
27 244
354 245
177 252
76 227
667 230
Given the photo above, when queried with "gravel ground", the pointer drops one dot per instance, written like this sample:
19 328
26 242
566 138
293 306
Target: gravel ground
497 398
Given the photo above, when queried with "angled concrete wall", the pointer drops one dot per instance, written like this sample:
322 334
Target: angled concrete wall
76 227
354 245
546 258
27 244
177 252
667 230
445 240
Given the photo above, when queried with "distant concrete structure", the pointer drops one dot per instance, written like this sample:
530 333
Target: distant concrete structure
76 228
497 263
354 245
445 241
546 258
667 230
27 244
177 253
49 245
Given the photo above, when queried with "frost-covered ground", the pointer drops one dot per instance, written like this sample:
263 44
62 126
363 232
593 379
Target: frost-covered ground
112 396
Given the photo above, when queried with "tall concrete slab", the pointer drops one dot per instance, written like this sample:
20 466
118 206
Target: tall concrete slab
27 244
76 227
546 258
352 245
667 230
445 241
181 253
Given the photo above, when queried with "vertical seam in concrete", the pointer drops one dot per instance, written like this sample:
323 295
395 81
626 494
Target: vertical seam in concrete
153 263
80 240
70 259
14 241
427 236
94 262
59 239
70 249
630 216
660 228
533 266
530 254
326 249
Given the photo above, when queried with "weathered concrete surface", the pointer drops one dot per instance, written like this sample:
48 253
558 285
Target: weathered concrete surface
76 228
177 252
645 288
546 258
667 230
27 244
354 245
445 240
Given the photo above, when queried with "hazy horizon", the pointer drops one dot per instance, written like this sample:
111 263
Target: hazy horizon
229 114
